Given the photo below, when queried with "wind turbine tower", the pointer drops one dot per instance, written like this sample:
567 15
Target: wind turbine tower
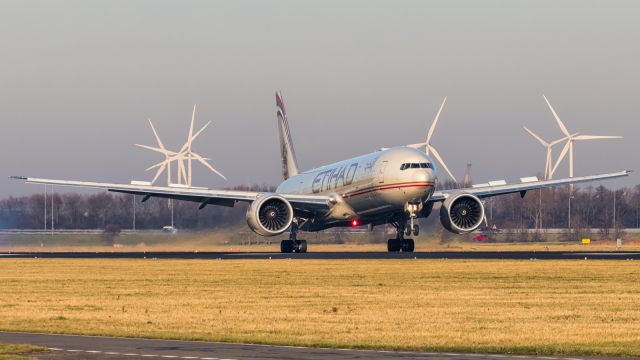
548 171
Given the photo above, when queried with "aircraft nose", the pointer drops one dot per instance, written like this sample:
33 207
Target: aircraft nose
423 175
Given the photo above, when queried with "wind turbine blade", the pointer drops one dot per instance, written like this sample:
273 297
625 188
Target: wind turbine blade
595 137
561 156
193 119
557 141
200 131
544 143
184 147
160 144
417 146
156 165
435 121
439 158
158 173
162 151
560 123
205 163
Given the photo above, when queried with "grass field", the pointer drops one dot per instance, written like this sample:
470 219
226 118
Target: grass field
532 307
19 351
218 241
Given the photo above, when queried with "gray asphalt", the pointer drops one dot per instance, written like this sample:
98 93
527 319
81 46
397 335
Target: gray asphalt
100 348
517 255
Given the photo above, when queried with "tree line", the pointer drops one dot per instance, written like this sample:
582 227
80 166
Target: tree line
591 208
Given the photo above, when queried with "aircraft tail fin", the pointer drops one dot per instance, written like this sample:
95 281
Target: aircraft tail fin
287 152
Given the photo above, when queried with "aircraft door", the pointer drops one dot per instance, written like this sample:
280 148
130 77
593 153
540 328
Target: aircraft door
383 167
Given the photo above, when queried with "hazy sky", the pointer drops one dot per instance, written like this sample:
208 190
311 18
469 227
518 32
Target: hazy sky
79 78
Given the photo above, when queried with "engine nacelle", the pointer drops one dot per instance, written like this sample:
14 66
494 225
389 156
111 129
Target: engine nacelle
269 215
462 213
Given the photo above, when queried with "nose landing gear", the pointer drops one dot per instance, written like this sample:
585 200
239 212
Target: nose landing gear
400 243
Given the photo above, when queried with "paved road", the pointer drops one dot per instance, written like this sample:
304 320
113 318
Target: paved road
523 255
101 348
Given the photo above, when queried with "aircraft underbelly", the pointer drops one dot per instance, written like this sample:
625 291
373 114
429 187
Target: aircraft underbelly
386 200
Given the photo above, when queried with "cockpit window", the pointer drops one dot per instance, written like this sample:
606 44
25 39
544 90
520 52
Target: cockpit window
416 166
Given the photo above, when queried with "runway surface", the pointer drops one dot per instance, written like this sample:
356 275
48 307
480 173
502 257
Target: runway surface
514 255
101 348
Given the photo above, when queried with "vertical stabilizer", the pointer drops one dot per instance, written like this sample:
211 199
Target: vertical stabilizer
287 153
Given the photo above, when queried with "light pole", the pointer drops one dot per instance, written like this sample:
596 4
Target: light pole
134 212
615 185
45 207
570 196
540 210
52 210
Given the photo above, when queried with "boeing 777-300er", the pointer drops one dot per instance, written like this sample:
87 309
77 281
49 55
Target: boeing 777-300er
389 186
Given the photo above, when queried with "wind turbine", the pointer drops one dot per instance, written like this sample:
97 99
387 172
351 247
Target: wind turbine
548 171
168 156
568 147
185 153
430 149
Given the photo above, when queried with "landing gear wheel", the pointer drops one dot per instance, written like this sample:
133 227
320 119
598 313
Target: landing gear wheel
416 230
408 245
407 231
288 246
394 245
301 246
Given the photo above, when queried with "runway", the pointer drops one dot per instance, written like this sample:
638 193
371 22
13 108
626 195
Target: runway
101 348
490 255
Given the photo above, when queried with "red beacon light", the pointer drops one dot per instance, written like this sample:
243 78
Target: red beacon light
355 222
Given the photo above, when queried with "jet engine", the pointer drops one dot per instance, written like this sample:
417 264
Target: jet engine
269 215
462 213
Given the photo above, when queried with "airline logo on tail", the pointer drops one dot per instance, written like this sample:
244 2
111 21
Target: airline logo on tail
287 153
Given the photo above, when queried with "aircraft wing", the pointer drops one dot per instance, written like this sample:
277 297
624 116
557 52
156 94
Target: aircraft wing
523 187
200 195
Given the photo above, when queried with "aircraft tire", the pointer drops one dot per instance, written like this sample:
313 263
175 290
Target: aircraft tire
394 245
416 230
301 246
287 246
408 245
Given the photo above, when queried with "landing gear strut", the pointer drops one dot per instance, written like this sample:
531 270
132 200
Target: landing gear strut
293 244
400 243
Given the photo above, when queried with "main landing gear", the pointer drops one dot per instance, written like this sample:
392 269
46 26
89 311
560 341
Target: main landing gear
400 243
293 244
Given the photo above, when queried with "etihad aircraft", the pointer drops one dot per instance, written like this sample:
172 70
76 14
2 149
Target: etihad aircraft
389 186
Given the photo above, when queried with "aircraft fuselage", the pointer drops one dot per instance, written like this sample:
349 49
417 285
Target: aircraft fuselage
370 186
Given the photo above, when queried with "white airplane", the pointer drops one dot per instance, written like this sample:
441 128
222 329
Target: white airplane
390 186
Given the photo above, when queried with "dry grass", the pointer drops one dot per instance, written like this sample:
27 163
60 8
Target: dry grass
19 351
218 242
541 307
